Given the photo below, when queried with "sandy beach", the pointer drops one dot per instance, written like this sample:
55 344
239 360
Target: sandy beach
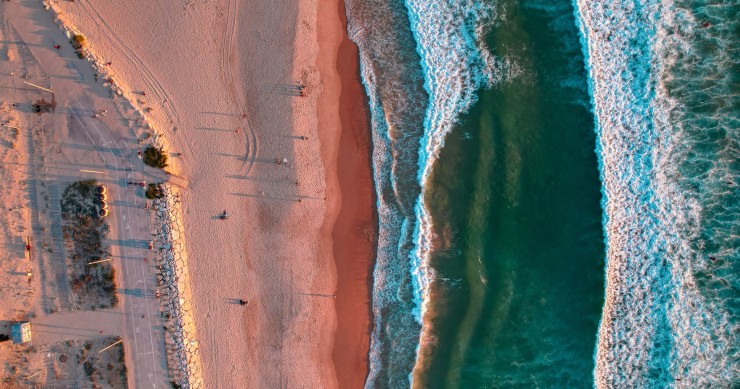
263 101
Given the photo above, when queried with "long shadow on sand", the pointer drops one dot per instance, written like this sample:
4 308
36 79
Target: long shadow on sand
273 180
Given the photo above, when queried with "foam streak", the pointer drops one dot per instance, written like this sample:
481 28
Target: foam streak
663 320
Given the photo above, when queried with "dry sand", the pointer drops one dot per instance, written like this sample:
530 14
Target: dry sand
203 64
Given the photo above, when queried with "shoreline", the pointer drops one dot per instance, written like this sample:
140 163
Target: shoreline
354 232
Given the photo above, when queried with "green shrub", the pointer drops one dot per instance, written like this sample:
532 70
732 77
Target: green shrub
109 275
89 368
155 157
78 41
154 191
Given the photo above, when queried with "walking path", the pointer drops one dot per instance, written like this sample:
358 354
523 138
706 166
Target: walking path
83 325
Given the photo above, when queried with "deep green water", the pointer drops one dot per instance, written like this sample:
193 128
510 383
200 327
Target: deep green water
515 201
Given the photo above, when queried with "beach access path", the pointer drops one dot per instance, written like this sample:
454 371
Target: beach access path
76 146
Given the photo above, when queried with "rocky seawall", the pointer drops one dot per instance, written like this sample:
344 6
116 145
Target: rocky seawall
174 291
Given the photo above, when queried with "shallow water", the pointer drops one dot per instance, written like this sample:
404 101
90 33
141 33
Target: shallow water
514 199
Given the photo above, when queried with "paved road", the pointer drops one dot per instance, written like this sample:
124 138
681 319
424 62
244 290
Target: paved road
57 255
131 232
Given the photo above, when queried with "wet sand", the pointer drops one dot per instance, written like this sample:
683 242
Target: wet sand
355 230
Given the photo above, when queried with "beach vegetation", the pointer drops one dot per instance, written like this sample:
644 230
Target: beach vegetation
155 157
93 286
89 368
154 191
81 197
78 41
103 369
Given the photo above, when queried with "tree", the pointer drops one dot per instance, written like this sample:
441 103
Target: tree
154 191
155 157
78 41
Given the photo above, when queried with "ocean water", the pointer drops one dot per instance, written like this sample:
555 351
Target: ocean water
664 85
552 178
394 82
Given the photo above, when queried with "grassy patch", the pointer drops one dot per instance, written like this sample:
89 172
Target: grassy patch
106 369
93 286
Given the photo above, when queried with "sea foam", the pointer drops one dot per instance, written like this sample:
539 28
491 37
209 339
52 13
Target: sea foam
456 65
394 84
665 144
422 63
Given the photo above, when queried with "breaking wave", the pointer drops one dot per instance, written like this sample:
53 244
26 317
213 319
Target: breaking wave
661 83
422 63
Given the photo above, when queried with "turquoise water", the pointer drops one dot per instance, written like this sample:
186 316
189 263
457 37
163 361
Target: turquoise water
514 198
557 192
665 91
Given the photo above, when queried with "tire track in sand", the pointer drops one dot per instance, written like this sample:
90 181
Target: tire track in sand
227 58
149 80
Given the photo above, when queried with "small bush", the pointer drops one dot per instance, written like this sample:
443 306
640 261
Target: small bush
109 274
89 368
78 41
175 385
154 191
155 157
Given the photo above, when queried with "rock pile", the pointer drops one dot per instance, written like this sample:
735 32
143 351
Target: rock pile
174 288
